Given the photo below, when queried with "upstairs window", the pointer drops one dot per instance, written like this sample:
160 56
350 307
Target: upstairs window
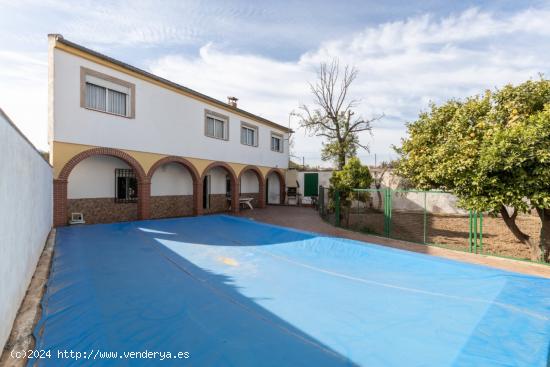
276 142
215 128
104 93
106 100
216 125
249 135
125 186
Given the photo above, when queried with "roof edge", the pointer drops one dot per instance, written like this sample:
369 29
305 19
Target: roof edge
58 38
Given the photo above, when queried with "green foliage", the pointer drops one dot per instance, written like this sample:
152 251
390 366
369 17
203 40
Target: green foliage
490 150
354 175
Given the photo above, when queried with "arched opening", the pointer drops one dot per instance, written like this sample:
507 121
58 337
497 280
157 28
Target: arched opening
275 187
219 189
251 183
173 188
105 185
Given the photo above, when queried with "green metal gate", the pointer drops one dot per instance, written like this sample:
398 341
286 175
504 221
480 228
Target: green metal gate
311 184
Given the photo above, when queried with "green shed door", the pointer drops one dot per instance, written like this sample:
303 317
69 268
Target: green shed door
311 184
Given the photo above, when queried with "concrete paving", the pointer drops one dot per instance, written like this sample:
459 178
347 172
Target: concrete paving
308 219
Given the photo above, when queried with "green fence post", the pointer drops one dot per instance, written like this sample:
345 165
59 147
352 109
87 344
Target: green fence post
475 231
337 207
481 232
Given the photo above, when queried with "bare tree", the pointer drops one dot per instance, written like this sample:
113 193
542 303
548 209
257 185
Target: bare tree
332 117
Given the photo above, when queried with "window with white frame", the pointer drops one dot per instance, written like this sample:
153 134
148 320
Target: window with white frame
106 100
106 94
249 135
276 142
216 125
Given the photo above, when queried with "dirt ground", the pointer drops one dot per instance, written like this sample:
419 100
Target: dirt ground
449 231
308 219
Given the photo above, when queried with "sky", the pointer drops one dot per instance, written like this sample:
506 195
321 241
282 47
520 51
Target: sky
408 53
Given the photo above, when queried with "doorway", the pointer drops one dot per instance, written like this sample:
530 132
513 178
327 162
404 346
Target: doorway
206 192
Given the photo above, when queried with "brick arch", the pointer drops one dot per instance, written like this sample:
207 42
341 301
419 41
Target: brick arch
131 161
60 184
261 183
234 185
195 176
282 184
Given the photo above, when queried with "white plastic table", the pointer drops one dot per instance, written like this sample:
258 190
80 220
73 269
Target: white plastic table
246 201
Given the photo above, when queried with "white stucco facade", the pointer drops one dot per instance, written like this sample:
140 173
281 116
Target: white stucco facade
94 178
218 180
171 179
273 189
249 183
26 212
166 122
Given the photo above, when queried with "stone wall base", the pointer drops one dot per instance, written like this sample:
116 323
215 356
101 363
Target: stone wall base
170 206
218 204
102 210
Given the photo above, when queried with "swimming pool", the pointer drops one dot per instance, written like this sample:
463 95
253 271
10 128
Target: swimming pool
233 292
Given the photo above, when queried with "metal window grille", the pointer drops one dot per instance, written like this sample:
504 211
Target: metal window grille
126 190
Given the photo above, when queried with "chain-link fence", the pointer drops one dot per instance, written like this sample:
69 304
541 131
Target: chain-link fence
431 218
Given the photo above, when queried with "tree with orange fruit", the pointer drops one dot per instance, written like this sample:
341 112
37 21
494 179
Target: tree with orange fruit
492 151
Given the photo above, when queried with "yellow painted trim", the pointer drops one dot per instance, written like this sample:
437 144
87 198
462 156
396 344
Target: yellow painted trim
62 152
76 52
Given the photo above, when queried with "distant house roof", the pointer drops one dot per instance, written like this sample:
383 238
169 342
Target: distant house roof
58 38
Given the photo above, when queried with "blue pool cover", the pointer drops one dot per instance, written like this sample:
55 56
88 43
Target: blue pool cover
234 292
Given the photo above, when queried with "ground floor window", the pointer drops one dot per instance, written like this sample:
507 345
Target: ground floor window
125 186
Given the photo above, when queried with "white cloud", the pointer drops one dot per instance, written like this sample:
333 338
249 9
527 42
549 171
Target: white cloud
23 93
403 66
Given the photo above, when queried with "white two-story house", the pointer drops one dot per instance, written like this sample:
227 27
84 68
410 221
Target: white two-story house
126 144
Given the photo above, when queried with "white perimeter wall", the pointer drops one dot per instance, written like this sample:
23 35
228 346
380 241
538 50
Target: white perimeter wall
94 177
166 122
25 219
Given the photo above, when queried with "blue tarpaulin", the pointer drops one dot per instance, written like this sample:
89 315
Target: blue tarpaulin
233 292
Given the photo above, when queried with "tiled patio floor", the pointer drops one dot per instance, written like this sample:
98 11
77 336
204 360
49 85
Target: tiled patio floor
308 219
